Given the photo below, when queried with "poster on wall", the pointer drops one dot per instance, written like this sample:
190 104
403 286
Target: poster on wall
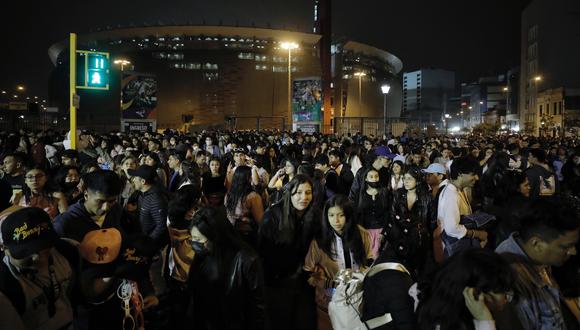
138 96
306 100
139 125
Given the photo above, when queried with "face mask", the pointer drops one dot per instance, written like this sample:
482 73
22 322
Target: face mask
70 185
374 184
199 248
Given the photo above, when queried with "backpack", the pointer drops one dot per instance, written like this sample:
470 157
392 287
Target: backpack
345 306
547 186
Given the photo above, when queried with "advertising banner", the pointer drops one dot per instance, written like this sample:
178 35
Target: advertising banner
306 100
140 126
138 96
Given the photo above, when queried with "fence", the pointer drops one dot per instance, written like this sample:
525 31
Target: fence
12 121
371 125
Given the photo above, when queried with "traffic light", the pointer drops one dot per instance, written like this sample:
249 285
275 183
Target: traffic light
92 70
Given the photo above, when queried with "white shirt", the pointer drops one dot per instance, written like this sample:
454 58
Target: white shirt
451 201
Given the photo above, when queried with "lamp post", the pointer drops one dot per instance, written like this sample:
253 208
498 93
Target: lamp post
289 46
385 89
122 63
359 75
446 121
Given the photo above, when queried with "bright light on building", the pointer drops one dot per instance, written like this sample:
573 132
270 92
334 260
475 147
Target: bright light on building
516 128
455 129
289 45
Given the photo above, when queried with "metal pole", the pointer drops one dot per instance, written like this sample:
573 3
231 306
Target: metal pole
360 95
72 90
290 88
385 116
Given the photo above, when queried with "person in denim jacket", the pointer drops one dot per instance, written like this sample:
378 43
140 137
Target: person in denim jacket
548 237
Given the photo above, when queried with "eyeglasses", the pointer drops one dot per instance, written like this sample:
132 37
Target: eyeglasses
33 177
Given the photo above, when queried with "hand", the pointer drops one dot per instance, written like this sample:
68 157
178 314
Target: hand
480 235
281 172
476 305
230 167
150 301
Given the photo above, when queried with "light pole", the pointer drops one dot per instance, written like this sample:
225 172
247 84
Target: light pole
446 121
122 63
289 46
385 89
359 75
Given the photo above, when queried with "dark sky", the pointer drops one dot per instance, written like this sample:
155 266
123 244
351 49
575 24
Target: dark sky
473 38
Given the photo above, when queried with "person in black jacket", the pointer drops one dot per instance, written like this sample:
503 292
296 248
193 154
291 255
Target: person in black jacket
152 204
226 276
287 229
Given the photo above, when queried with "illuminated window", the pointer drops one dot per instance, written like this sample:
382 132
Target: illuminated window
246 56
209 76
261 67
261 58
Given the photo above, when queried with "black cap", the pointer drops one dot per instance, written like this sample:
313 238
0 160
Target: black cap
240 151
144 171
70 153
28 231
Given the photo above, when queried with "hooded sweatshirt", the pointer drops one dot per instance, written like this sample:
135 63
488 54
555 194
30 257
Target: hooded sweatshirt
76 221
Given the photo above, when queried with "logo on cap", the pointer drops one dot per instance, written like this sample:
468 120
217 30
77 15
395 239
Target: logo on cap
23 232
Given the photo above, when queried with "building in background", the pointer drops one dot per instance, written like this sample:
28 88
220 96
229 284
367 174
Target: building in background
204 75
425 95
550 49
512 99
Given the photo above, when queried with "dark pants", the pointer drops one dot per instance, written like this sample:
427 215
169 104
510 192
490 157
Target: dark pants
291 307
180 301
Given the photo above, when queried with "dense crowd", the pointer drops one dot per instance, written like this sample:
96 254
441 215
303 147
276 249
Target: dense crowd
267 230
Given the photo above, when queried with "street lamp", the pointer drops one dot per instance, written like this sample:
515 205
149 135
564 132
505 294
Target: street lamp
385 89
446 121
359 75
122 62
20 88
289 46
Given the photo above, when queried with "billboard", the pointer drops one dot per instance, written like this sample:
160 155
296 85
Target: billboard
306 100
138 96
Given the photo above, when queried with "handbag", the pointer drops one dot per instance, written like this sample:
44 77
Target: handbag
547 186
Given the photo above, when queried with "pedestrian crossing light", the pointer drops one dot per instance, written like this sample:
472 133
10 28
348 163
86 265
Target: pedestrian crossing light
93 70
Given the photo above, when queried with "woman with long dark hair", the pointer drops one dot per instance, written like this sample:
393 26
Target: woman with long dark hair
244 206
278 182
396 171
213 184
225 278
372 207
468 290
412 210
67 180
287 229
127 163
341 244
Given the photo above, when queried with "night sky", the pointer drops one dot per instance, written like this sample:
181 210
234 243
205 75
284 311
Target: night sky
472 38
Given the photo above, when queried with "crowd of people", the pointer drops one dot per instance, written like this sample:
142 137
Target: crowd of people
255 230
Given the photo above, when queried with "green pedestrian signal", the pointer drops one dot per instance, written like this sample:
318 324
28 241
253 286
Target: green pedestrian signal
92 70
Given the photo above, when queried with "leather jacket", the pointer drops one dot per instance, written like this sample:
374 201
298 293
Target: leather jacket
228 291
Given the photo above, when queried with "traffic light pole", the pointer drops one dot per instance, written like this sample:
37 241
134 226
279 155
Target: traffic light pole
72 92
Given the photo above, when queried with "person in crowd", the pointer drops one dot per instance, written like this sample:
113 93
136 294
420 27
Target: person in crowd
412 210
201 161
547 237
470 290
225 278
281 178
104 158
330 177
417 158
36 278
453 203
397 170
540 174
571 174
182 208
174 163
152 159
152 204
379 159
211 148
70 157
67 179
436 178
244 206
343 170
189 174
287 229
373 208
13 167
213 183
127 163
240 159
341 244
98 208
37 193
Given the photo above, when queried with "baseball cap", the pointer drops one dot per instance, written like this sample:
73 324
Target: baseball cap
101 246
135 257
400 158
28 231
435 168
240 150
144 171
383 151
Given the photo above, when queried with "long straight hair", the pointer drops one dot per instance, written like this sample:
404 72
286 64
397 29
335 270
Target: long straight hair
286 226
241 187
351 236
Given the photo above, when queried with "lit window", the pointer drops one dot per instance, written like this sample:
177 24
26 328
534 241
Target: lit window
246 56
